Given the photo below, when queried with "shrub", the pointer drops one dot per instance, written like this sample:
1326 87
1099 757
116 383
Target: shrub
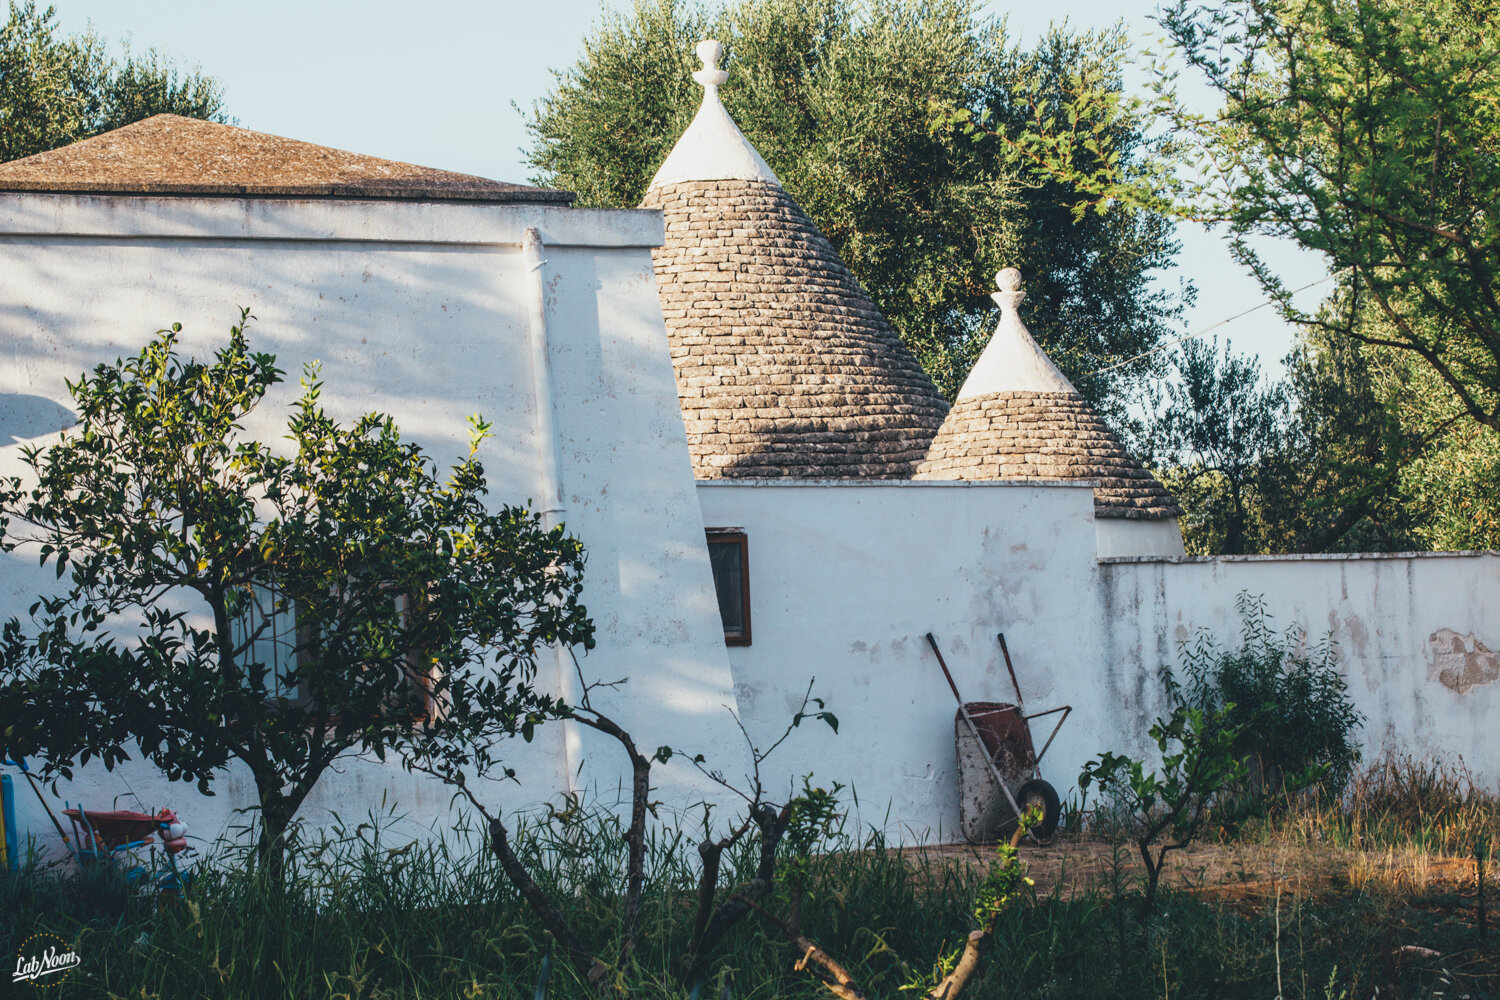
1289 703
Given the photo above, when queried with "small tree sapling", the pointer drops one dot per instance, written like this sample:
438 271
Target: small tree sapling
1198 763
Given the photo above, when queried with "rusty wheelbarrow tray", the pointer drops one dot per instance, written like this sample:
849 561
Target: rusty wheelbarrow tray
998 766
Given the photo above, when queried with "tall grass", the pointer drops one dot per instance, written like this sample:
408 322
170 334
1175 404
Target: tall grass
360 914
363 914
1399 802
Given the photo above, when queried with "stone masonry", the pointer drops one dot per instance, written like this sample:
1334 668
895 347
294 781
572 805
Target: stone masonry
1045 435
784 366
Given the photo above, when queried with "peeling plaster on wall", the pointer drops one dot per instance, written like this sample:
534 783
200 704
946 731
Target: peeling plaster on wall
1352 628
1395 620
925 772
1110 620
1164 649
1461 662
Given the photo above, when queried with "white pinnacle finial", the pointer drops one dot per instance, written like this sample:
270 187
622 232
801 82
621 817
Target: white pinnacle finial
710 51
1010 295
712 148
1012 361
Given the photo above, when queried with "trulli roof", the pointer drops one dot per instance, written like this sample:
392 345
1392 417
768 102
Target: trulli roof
1018 417
785 367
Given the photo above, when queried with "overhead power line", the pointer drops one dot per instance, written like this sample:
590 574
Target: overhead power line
1204 332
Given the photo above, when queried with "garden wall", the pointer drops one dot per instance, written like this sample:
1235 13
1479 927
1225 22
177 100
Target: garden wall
846 580
1417 636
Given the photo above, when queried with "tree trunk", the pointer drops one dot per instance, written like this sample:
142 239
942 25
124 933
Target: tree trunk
1234 533
270 846
583 961
1153 874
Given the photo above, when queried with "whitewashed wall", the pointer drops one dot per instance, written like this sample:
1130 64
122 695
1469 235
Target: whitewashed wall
418 310
1416 636
846 580
1120 536
421 310
845 583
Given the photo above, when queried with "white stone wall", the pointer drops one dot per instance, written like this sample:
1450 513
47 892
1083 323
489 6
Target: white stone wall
846 580
1416 635
419 310
1119 536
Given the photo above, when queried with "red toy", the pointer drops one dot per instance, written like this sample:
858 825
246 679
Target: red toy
109 831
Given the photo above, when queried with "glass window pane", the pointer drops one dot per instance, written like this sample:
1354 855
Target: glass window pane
728 581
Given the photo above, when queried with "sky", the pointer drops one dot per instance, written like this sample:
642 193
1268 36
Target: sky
444 84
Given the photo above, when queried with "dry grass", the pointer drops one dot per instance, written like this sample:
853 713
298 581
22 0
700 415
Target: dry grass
1234 870
1435 808
1402 827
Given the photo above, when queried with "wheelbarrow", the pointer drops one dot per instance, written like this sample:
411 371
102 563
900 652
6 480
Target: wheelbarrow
999 769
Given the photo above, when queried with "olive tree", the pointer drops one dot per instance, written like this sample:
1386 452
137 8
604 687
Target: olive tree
1366 133
225 601
57 88
865 111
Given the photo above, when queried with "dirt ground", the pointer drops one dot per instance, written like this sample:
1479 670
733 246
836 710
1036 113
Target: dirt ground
1234 871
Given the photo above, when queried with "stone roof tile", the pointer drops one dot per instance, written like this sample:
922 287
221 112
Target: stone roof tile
1018 417
169 154
793 335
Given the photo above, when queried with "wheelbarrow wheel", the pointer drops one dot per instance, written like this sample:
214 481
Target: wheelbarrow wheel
1040 794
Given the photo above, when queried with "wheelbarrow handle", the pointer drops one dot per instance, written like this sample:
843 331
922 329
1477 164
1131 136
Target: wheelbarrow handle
1011 670
942 663
1066 710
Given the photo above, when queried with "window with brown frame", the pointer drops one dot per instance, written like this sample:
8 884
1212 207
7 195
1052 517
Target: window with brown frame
729 552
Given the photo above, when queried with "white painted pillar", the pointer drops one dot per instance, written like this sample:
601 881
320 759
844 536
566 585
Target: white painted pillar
550 503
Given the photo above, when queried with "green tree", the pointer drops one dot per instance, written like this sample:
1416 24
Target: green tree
1366 132
1369 132
226 601
57 89
865 111
1309 464
1219 428
1165 812
1454 489
1443 465
1335 484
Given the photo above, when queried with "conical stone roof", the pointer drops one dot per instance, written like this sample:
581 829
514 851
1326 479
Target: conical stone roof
1018 417
784 366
